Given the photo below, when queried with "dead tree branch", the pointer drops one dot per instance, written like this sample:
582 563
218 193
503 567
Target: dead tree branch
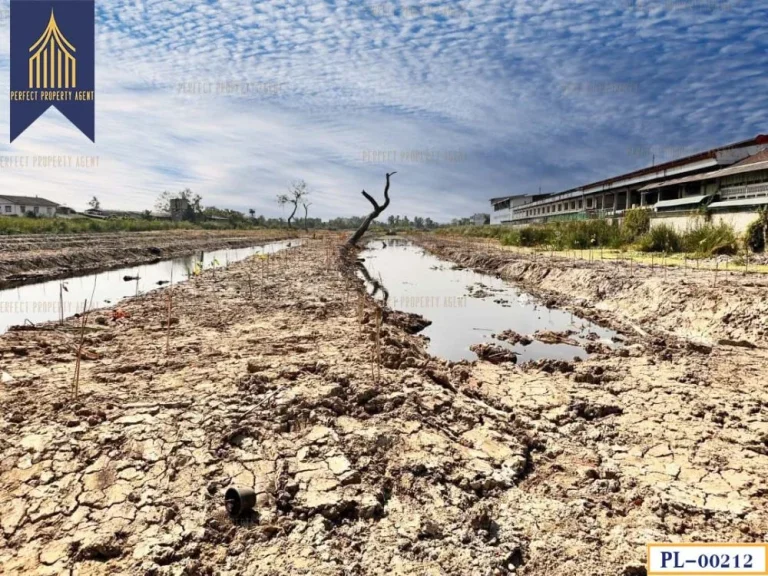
377 210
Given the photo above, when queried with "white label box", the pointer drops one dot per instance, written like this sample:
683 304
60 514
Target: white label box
694 559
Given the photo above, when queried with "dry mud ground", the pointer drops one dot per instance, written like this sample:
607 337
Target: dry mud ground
418 467
37 257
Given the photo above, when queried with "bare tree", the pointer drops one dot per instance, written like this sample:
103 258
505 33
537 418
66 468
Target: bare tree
306 211
296 193
377 210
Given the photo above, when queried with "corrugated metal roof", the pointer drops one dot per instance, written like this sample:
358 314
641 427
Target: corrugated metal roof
688 200
740 168
760 139
740 202
503 198
28 200
683 180
759 157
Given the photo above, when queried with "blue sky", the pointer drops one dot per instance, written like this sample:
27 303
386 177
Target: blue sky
466 100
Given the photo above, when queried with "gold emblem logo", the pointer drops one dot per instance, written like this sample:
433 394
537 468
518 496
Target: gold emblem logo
52 64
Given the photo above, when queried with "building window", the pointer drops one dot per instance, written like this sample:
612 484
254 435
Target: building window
581 204
23 209
37 209
8 209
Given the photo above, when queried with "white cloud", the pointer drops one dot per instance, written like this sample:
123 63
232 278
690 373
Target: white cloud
549 94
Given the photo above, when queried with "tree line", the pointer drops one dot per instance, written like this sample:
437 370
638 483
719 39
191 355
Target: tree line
296 198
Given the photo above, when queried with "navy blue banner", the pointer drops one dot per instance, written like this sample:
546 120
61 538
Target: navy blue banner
52 62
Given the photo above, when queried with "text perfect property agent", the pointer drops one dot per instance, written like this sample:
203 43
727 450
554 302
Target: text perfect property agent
52 95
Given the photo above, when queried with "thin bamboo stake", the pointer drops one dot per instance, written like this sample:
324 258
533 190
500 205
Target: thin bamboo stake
168 334
76 385
746 267
377 349
361 310
61 303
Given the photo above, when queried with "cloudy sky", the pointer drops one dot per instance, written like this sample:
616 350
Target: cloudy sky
465 100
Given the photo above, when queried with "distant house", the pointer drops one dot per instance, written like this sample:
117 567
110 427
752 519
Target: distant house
22 205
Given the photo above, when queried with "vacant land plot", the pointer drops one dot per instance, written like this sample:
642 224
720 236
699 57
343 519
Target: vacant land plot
368 456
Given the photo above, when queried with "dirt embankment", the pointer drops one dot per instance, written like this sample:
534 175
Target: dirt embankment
689 303
416 466
38 257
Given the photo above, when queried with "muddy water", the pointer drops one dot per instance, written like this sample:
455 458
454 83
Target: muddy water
41 302
468 308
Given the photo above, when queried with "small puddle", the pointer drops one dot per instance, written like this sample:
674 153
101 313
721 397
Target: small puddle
468 308
40 302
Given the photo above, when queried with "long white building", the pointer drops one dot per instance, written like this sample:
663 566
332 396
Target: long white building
734 172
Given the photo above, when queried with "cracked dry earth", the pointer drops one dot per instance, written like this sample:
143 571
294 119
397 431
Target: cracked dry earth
419 467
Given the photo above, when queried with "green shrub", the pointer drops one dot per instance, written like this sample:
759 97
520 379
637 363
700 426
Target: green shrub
755 236
535 235
637 221
756 231
660 238
511 237
583 234
711 239
703 238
